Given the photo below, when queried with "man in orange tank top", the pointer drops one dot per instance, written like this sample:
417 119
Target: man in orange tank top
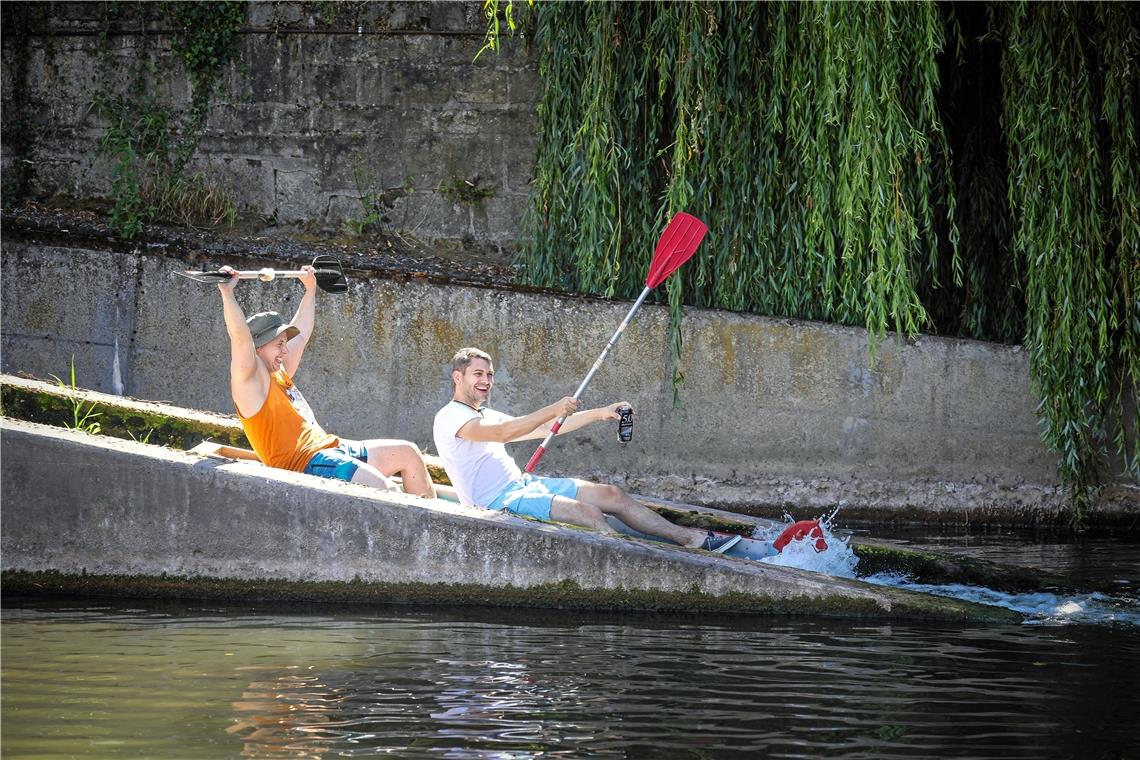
265 352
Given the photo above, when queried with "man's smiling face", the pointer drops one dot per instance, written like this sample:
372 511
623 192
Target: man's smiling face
274 352
473 387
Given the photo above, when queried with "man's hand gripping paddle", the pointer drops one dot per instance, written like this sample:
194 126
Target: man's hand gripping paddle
677 245
330 277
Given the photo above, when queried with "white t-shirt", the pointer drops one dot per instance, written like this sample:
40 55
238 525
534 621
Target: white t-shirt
479 470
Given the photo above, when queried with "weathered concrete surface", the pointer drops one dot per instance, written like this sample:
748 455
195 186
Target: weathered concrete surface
325 108
55 404
774 414
129 509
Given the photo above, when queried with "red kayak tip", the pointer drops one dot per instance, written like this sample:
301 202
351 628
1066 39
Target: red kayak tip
798 531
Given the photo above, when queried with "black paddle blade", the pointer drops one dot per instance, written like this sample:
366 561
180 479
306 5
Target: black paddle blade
330 277
207 277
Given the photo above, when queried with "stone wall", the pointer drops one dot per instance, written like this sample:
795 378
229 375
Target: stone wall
378 97
773 414
333 100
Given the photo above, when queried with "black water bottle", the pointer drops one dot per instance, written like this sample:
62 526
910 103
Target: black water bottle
625 424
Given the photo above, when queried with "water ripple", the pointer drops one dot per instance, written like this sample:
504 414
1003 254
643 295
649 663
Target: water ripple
111 682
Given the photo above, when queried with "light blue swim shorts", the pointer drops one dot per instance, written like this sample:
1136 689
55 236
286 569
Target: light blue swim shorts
533 495
338 462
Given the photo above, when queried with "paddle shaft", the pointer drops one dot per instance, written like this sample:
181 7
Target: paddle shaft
268 275
589 376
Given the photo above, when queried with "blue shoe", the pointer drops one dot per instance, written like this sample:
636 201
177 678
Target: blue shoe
719 544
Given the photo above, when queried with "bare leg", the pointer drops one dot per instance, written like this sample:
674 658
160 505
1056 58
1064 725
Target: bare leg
368 475
613 501
578 513
394 456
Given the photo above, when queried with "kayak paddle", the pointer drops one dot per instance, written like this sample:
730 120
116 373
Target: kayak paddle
330 277
677 245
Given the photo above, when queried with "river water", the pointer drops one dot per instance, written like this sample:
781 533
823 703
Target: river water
121 678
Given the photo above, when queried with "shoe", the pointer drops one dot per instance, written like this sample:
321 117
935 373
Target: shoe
719 544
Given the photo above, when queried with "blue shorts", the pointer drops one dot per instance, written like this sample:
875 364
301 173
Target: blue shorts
339 462
533 495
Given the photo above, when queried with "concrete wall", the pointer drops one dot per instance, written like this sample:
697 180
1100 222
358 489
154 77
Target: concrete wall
773 414
313 114
127 509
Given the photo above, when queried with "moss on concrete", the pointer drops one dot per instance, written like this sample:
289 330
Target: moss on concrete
937 568
437 473
123 419
38 401
691 518
566 595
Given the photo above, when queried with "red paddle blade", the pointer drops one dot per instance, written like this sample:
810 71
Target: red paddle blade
677 245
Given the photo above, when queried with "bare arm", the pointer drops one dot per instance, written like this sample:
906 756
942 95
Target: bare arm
581 419
249 379
519 428
304 320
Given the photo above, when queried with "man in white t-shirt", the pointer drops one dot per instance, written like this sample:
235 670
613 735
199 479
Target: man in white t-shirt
470 439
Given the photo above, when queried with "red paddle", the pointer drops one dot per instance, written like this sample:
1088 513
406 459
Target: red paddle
677 245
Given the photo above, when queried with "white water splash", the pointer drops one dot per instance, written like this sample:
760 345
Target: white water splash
837 559
1040 608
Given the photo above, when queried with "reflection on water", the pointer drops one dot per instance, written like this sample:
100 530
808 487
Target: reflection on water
193 682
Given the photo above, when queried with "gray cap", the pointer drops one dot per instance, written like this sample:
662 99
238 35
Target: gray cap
267 325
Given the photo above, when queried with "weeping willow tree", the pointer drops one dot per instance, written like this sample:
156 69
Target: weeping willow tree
1071 75
828 145
817 161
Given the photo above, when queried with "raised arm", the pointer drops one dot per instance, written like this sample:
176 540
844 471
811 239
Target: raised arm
303 320
249 380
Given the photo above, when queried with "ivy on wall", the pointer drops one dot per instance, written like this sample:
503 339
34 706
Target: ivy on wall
968 170
150 142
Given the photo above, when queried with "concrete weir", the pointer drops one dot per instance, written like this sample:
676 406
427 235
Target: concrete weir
126 516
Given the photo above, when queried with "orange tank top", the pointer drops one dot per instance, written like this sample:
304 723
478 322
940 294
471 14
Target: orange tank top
281 435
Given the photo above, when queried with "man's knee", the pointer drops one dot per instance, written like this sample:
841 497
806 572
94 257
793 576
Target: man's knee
409 452
604 495
576 512
613 493
402 453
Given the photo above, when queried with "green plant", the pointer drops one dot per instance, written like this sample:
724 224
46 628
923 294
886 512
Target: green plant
144 439
374 202
149 143
466 192
209 33
190 201
819 163
83 415
851 169
1071 103
491 8
135 139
